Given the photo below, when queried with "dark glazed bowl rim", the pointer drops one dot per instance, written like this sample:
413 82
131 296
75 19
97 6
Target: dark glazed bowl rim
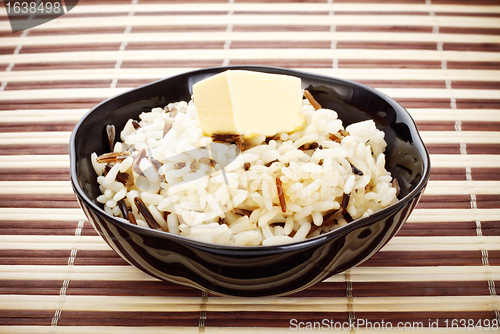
256 250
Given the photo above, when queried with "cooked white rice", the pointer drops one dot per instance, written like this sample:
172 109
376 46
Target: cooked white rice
233 198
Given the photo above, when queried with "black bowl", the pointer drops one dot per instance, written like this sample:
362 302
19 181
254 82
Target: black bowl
258 270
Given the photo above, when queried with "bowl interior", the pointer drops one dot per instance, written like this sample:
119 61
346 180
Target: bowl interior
406 156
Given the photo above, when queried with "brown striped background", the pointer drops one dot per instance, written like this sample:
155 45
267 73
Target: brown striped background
439 58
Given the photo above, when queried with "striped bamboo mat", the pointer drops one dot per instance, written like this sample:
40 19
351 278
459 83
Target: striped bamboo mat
439 58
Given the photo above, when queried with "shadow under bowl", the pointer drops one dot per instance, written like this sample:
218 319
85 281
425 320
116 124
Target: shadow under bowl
259 270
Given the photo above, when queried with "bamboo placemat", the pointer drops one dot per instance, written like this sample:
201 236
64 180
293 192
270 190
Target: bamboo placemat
439 58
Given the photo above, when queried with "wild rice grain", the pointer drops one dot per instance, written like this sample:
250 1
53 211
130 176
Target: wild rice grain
281 194
146 214
110 131
312 100
131 218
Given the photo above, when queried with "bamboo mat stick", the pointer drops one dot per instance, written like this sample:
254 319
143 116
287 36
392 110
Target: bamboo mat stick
123 330
41 214
361 304
54 242
207 330
36 187
299 7
254 36
421 304
421 274
462 187
255 54
346 73
424 74
436 93
469 137
476 115
50 112
386 273
361 330
379 272
103 93
85 273
444 240
443 247
34 161
278 7
289 304
465 160
455 215
142 277
62 93
359 274
100 74
36 138
455 243
43 119
49 239
257 19
136 276
102 303
166 304
34 246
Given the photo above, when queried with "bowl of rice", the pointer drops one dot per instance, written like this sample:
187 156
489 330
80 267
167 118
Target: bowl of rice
268 215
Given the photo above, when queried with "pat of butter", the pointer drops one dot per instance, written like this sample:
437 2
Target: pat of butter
248 103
